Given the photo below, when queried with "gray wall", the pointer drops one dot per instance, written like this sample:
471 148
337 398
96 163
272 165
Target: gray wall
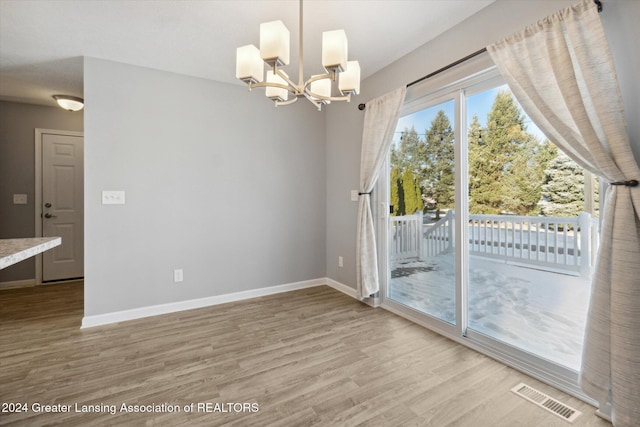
218 182
17 175
499 20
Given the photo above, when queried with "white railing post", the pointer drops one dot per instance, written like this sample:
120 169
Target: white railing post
419 236
584 223
595 239
450 231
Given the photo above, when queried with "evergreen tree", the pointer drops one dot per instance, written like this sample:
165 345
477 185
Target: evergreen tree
437 177
485 172
395 157
525 177
410 153
397 194
475 162
504 174
411 191
407 162
418 195
563 188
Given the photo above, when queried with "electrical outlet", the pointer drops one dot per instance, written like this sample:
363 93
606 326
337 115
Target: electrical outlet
178 275
354 195
340 261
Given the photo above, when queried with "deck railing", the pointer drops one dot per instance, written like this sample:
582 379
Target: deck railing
405 240
565 244
438 237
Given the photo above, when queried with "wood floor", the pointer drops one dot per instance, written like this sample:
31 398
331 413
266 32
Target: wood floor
309 357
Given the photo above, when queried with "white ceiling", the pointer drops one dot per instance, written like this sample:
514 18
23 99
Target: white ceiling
42 42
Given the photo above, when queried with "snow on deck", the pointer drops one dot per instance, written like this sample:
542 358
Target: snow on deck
537 311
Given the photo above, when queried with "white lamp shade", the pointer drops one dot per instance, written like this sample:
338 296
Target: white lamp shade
276 93
349 80
69 103
334 50
321 87
274 43
249 65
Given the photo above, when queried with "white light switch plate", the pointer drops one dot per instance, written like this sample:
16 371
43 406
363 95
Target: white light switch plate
19 199
113 197
354 195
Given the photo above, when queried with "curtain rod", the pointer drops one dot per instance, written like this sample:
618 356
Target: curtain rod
446 67
459 61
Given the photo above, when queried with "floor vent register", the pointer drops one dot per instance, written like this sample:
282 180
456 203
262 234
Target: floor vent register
550 404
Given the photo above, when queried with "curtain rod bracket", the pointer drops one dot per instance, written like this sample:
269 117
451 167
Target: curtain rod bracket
599 4
630 183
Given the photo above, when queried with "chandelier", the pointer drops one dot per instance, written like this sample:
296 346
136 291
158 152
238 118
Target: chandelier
274 51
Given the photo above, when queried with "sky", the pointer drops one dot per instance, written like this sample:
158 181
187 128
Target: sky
479 104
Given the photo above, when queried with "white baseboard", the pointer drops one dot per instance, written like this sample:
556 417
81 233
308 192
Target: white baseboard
18 284
348 290
155 310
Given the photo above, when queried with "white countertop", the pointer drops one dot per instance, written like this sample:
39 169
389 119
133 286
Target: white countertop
16 250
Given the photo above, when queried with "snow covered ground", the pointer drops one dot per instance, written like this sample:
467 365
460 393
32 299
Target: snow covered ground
537 311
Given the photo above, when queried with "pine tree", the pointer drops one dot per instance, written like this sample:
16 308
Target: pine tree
485 172
397 194
418 195
525 178
563 188
437 178
504 174
411 191
410 152
407 162
475 160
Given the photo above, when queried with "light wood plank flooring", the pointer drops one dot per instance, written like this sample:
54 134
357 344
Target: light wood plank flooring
309 357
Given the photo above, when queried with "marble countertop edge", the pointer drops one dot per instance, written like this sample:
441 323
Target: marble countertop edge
13 251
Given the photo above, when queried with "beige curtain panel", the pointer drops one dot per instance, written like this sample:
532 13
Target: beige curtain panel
562 73
380 120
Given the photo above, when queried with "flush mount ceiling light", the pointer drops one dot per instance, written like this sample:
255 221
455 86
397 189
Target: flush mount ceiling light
274 51
69 103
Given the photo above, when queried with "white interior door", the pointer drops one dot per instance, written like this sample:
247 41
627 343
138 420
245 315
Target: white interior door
63 205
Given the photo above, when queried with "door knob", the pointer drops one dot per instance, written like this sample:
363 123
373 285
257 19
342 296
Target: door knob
48 215
47 205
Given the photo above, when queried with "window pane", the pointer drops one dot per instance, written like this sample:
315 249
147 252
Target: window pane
530 240
422 198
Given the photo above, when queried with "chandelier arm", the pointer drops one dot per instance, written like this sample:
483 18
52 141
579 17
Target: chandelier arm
313 101
294 88
276 85
289 102
316 78
308 93
307 89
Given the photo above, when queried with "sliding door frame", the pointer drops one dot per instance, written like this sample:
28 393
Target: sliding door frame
466 83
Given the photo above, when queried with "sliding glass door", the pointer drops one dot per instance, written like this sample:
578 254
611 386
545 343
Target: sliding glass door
422 201
530 233
492 231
